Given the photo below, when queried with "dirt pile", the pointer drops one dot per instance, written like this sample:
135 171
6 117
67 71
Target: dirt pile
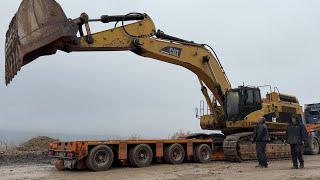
40 143
34 150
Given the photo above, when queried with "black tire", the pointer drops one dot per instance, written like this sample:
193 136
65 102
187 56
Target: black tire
174 154
202 153
141 155
59 164
100 158
312 146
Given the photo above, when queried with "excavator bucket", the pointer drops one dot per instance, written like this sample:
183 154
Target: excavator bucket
35 30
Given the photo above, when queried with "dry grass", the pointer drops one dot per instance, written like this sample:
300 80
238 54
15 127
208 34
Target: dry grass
135 136
6 146
180 134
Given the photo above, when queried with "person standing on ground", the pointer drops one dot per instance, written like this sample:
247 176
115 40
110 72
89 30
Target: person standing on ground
261 138
296 136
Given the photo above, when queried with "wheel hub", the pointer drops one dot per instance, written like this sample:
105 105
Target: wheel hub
204 154
101 157
177 154
142 155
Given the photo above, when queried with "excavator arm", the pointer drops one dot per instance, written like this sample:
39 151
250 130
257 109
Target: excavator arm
41 28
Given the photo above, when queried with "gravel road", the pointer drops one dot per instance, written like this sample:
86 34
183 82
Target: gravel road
215 170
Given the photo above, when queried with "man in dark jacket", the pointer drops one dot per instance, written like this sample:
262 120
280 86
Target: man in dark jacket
296 136
261 138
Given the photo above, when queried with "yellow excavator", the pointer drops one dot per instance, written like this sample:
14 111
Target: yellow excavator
40 27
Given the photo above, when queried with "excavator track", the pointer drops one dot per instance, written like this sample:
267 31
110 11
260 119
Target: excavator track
238 147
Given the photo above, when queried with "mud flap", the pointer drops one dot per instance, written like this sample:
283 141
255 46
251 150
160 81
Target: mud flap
35 30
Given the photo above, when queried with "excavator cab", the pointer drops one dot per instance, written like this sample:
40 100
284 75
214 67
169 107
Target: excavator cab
312 113
240 102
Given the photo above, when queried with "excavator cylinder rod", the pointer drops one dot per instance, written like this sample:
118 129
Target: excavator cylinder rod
129 17
160 34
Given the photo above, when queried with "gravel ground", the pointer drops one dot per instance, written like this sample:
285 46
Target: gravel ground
214 170
24 157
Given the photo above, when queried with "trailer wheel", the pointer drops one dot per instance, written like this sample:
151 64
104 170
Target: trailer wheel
141 155
312 146
202 153
174 154
100 158
59 164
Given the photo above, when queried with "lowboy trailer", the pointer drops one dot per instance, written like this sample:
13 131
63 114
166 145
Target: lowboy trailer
100 155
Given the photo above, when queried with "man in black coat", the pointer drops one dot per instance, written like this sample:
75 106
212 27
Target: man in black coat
296 136
261 138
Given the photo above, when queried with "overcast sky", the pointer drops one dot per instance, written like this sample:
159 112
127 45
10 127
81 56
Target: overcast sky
259 42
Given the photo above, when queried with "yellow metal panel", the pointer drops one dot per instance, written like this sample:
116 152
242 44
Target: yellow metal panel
191 57
117 38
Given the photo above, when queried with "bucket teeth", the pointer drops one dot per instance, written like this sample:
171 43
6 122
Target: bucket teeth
35 30
13 61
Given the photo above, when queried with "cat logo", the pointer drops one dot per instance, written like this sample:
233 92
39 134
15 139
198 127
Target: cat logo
173 51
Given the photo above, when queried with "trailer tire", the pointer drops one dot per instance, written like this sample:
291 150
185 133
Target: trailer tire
174 154
140 155
59 164
100 158
312 146
202 153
